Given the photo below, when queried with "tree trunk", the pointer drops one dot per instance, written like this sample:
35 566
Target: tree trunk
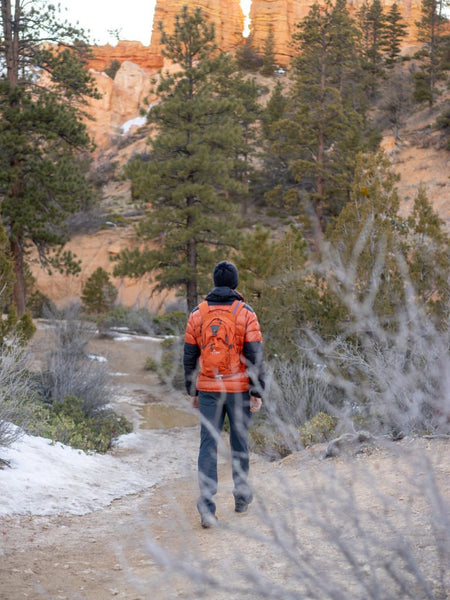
191 284
11 44
11 40
19 293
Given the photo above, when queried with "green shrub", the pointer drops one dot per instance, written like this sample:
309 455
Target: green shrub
171 323
266 441
99 294
318 429
151 364
67 422
136 320
39 304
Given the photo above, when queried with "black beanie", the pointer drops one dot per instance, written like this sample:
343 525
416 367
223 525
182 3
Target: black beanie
226 274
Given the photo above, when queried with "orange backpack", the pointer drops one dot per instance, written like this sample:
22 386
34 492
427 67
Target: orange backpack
219 352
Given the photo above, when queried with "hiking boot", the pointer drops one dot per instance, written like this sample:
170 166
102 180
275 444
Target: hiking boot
240 506
208 520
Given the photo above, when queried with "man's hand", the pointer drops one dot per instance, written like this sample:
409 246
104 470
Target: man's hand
195 403
255 404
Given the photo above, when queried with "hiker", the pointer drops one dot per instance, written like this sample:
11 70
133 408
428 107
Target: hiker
223 339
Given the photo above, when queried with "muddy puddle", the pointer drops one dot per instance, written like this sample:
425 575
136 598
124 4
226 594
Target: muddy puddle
160 416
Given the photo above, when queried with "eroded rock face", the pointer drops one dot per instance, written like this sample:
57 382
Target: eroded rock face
282 16
120 102
134 52
96 251
123 96
226 15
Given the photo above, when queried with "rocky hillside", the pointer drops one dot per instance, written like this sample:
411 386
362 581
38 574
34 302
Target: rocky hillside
118 128
417 157
122 96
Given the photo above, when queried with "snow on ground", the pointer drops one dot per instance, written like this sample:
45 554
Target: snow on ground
45 478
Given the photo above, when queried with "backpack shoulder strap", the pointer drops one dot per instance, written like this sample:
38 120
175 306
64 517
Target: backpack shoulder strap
237 306
234 308
204 309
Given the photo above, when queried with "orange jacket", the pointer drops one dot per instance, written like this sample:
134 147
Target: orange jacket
250 375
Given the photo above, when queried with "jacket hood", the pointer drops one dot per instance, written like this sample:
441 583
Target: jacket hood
223 295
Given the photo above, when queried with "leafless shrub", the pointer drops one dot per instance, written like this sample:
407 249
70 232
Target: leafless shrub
296 392
16 388
393 377
68 369
319 531
345 528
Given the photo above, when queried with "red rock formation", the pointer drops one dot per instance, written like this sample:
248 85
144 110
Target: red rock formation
134 52
282 16
122 97
96 251
227 16
120 102
279 15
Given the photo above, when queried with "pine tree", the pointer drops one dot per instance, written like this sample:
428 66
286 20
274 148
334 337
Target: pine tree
288 298
245 92
429 258
373 23
248 57
435 49
369 237
99 293
394 31
188 177
321 131
41 133
269 64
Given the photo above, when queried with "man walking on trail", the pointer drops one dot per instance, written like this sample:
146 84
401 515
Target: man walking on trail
224 339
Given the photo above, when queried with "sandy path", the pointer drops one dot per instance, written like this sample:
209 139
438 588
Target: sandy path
110 553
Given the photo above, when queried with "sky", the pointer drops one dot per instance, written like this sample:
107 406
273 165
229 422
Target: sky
133 19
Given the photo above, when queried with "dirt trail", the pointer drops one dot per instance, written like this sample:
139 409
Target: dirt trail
109 553
117 552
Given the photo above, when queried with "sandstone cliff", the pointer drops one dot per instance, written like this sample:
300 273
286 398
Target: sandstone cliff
281 16
123 96
135 52
120 103
96 251
226 15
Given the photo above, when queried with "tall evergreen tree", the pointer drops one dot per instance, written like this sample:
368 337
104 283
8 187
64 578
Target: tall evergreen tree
281 287
434 54
372 22
394 31
369 237
321 131
248 57
188 178
429 258
245 92
42 88
269 64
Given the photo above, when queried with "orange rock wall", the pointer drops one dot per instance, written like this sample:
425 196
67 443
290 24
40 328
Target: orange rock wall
96 251
226 15
123 97
132 51
279 15
282 16
121 101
